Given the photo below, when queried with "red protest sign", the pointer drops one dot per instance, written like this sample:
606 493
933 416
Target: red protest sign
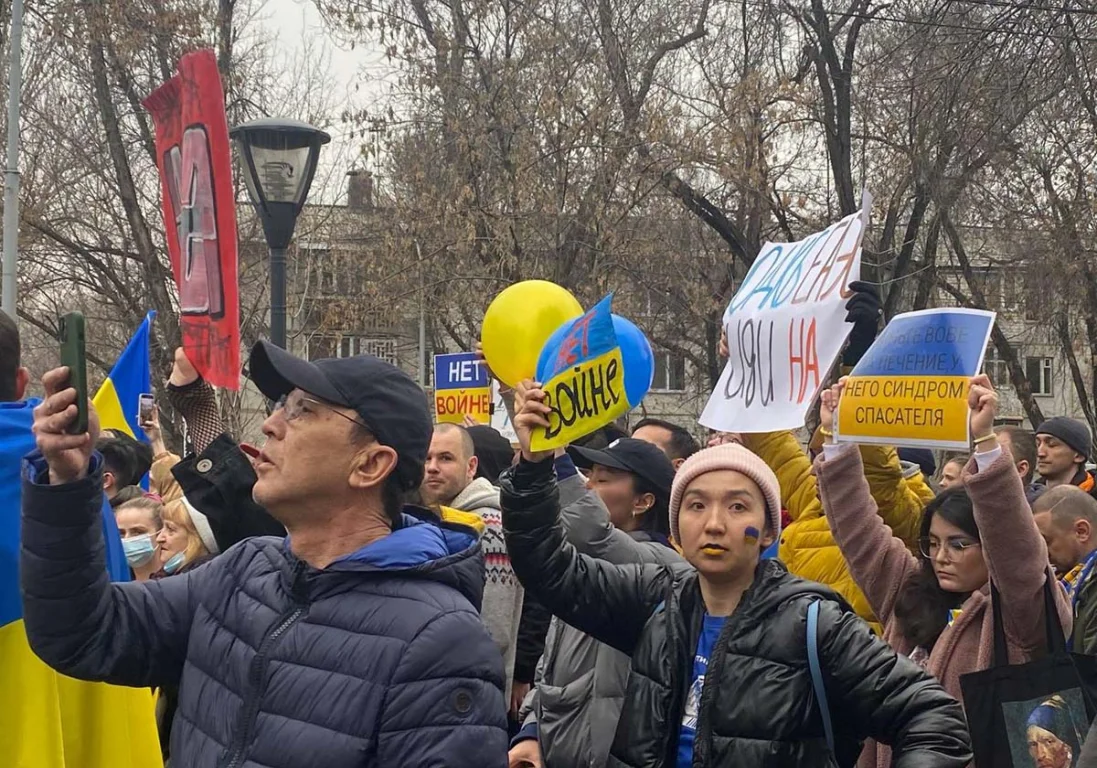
192 152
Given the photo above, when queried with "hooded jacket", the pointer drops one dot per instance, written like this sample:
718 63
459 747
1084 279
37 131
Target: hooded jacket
757 706
502 608
379 659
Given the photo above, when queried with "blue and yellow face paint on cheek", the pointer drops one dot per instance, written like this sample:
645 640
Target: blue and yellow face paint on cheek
751 535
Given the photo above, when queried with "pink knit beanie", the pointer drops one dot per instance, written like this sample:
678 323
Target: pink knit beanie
734 457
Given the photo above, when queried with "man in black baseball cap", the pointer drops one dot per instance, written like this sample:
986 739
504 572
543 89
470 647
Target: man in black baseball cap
383 401
361 628
633 479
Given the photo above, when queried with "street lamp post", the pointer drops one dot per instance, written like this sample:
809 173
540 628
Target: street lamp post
279 159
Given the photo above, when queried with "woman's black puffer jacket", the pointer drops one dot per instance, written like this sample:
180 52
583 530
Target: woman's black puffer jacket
757 706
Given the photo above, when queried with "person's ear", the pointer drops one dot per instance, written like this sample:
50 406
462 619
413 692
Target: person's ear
473 465
109 482
768 537
676 463
1023 467
22 377
642 504
1083 530
371 466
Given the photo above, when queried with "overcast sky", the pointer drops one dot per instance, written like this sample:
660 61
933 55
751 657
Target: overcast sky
357 75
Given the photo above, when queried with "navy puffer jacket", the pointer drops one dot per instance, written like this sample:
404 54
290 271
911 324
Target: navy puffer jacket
378 660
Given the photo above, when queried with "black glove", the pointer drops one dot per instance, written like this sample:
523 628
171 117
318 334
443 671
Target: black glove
864 310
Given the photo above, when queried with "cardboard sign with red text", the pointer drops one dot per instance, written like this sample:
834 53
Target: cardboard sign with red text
785 328
199 207
461 388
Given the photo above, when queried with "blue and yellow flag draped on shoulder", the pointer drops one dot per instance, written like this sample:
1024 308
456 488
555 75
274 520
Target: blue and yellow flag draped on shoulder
48 720
116 400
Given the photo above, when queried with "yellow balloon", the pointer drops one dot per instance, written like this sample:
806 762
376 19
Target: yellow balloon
519 322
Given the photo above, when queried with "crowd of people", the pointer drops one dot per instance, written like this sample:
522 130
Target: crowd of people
369 588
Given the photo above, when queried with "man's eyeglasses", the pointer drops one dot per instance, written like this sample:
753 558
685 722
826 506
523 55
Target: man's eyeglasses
956 546
292 406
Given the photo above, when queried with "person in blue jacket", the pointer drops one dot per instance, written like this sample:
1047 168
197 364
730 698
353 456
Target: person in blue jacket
353 641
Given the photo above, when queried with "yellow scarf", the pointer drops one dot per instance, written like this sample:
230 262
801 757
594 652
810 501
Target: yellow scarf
470 519
1072 577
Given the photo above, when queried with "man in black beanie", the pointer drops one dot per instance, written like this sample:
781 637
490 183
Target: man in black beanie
1062 448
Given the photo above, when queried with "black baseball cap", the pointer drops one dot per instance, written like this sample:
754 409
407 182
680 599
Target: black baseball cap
391 406
639 457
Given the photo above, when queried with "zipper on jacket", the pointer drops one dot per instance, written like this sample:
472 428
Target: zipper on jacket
249 709
703 735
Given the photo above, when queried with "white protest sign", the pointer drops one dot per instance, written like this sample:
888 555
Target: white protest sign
500 419
785 327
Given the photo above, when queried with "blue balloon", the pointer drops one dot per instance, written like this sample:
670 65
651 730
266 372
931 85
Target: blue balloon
636 354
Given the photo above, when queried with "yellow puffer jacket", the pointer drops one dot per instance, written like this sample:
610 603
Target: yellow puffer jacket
807 546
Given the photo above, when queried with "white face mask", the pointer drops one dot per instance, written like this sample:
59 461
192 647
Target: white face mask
139 549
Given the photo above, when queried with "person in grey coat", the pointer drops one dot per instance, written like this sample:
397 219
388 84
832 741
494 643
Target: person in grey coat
354 642
571 714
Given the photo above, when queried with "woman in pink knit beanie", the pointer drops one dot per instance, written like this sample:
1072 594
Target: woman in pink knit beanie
718 652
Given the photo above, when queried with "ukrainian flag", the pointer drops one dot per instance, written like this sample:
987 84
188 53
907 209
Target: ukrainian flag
48 720
116 400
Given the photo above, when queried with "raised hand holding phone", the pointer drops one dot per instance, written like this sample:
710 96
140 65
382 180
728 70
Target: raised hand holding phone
71 332
67 454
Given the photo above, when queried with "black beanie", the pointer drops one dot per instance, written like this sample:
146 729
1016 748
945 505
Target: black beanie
1071 431
493 451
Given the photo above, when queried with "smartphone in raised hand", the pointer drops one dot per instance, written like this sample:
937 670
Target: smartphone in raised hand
71 333
146 408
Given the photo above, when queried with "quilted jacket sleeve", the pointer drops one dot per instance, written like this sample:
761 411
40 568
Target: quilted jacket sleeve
610 602
787 459
76 620
444 706
887 697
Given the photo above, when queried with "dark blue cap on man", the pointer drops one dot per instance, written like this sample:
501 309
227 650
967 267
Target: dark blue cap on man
391 406
628 454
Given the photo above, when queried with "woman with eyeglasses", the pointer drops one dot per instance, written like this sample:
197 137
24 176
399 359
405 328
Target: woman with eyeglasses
936 607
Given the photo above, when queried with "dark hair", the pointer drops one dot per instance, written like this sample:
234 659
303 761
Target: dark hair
600 439
682 445
126 495
922 607
1023 447
657 519
10 353
125 458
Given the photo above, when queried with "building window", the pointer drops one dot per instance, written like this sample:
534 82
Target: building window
996 369
321 347
349 346
382 348
670 372
1038 371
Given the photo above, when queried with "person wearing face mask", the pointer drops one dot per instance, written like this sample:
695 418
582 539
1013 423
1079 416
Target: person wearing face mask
719 652
185 541
139 522
936 608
